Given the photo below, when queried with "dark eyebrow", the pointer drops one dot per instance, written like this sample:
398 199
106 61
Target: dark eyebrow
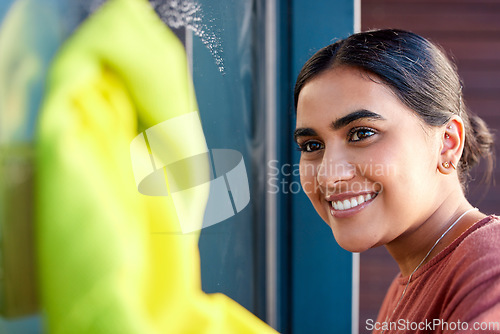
303 132
339 123
363 113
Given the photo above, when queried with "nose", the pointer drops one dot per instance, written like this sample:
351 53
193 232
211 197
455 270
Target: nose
334 169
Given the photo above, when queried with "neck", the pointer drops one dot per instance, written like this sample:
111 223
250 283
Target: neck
410 248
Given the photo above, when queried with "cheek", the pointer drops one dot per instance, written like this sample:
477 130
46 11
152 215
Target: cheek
402 175
378 163
383 170
308 172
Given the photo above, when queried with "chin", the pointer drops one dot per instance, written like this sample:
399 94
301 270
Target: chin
354 248
353 244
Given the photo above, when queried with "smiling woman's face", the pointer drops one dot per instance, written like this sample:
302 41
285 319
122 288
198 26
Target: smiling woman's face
368 164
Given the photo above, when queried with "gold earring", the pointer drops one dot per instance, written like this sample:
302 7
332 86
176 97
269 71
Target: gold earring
446 164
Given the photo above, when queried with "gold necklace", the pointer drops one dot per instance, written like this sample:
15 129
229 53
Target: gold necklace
423 260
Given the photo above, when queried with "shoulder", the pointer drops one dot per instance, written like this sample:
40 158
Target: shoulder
474 286
479 242
477 246
475 255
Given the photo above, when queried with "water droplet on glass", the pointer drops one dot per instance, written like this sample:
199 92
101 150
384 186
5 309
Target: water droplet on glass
188 14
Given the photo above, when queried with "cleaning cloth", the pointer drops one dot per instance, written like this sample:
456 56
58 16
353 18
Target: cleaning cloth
110 259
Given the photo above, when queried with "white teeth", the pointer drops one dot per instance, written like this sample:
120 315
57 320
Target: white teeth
351 203
361 199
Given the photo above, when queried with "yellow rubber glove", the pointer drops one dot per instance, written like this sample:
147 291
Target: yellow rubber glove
110 259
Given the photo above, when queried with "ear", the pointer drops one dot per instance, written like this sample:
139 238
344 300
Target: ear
453 139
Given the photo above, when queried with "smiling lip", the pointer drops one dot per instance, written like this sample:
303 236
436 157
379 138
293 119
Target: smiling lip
345 205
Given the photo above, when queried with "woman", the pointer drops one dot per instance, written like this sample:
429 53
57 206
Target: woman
387 144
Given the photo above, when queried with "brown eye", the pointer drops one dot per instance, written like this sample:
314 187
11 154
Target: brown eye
310 146
360 134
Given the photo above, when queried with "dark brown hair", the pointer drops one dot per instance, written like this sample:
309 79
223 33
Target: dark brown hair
420 75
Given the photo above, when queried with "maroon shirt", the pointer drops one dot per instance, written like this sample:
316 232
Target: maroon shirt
457 291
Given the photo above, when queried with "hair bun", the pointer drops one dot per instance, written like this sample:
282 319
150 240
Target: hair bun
479 143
